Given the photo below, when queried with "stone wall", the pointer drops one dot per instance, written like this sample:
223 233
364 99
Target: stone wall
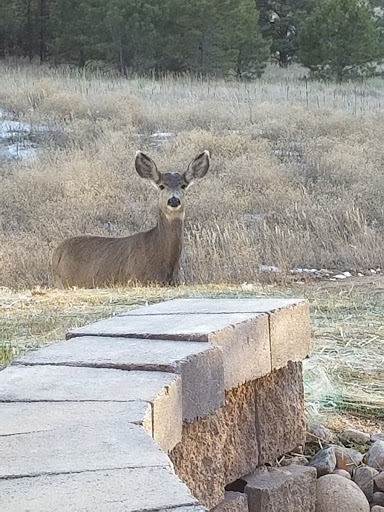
158 408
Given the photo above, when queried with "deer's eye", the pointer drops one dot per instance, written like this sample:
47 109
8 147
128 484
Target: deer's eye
161 187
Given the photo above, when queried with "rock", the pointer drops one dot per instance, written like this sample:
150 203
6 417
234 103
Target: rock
317 433
342 472
347 458
377 437
375 456
336 493
299 460
324 461
232 502
363 477
291 489
356 436
379 481
377 508
378 498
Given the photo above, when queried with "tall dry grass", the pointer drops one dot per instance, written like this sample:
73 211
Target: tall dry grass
297 181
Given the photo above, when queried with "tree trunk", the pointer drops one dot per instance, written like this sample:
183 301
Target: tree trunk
44 16
28 51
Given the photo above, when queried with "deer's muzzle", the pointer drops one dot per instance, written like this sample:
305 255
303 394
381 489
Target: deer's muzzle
174 202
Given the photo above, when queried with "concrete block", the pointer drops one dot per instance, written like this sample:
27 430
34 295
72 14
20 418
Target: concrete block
290 333
246 350
290 489
46 416
120 490
232 502
242 337
280 412
64 383
209 306
186 327
90 446
200 365
220 448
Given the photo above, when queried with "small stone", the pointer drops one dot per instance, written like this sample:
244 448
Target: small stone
377 508
232 502
379 436
347 458
378 498
319 433
375 456
363 477
324 461
291 489
356 436
379 481
336 493
342 472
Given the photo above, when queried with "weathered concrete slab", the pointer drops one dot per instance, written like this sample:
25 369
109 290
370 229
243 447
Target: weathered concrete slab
199 364
242 337
280 416
48 415
89 446
233 502
210 306
186 327
123 490
290 333
292 489
64 383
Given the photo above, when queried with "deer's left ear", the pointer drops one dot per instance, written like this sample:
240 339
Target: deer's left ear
198 168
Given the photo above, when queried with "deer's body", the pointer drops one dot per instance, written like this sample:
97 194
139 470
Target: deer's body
149 257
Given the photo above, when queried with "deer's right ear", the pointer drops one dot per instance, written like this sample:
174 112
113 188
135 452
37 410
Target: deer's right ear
146 167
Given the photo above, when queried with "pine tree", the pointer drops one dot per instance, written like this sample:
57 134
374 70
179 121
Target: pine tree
280 22
213 36
340 40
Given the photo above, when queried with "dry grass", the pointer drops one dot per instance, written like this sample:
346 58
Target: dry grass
343 378
297 177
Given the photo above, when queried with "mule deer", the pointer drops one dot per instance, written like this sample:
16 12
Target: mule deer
149 257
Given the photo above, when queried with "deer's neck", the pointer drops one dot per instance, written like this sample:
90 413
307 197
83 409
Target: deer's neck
170 238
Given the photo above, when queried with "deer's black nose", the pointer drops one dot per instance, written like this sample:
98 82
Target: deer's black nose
174 202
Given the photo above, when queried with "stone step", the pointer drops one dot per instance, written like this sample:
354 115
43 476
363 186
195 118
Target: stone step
200 365
119 490
214 306
96 444
71 384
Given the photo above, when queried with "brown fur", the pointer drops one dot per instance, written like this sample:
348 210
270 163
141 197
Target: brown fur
149 257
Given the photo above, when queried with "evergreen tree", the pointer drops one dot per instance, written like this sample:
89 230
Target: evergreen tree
280 22
132 33
340 40
214 36
8 29
78 29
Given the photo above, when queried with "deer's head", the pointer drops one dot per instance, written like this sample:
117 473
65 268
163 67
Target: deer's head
172 185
